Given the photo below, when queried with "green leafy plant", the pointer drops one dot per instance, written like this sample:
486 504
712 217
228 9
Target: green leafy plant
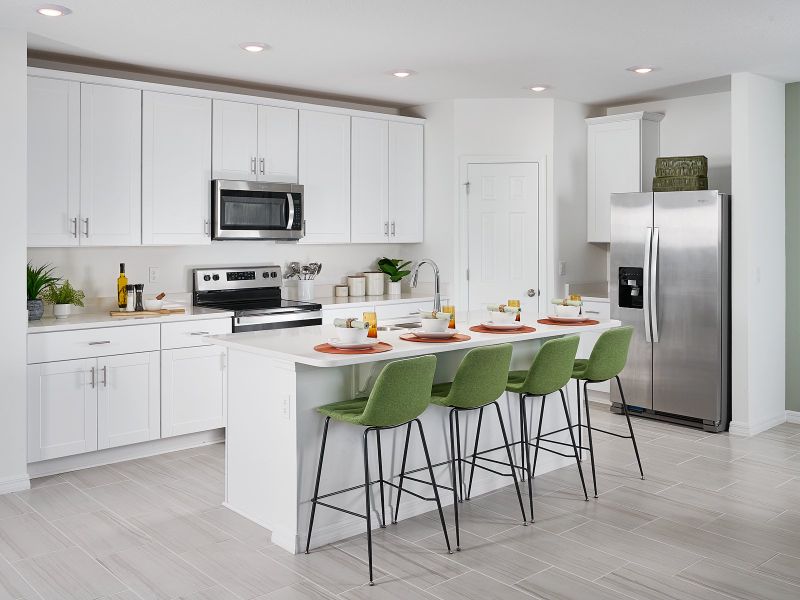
39 279
394 268
64 294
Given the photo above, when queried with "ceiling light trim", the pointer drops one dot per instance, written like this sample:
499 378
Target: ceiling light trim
253 47
53 10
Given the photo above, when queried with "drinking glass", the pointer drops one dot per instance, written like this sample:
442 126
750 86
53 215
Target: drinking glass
372 319
449 308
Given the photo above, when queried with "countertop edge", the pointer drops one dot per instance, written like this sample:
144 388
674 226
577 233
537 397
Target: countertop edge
105 320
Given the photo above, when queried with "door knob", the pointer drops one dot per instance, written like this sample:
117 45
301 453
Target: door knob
531 293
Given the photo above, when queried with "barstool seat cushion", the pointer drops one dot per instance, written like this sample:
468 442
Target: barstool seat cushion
347 411
608 357
516 380
440 393
550 369
579 368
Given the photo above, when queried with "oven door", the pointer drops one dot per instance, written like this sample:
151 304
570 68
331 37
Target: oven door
252 210
277 321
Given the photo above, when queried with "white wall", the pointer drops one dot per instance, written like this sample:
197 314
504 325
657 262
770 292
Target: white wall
692 126
758 252
13 311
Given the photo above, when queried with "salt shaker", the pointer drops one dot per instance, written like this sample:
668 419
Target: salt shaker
131 305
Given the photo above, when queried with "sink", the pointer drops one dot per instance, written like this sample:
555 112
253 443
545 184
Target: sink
399 326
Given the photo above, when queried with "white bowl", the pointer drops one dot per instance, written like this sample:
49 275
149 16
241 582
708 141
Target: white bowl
153 304
567 311
502 317
434 325
351 335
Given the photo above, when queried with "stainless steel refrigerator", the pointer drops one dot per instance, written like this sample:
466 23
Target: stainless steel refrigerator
669 279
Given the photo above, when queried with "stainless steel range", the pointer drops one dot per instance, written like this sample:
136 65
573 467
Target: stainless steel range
254 296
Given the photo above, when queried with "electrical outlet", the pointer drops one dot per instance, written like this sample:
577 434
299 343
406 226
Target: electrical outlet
154 274
562 268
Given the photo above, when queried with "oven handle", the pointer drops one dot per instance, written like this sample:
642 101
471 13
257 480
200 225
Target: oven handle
290 219
287 316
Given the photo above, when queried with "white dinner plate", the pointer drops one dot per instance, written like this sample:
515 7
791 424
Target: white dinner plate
513 325
350 346
579 319
420 333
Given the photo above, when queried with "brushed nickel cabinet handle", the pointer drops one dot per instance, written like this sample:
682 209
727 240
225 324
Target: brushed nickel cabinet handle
74 228
91 371
253 165
100 343
105 376
86 227
262 166
393 228
199 333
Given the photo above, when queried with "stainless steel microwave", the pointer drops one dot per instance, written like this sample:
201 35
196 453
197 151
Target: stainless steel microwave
256 210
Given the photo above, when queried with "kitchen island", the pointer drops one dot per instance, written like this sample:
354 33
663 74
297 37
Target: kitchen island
275 381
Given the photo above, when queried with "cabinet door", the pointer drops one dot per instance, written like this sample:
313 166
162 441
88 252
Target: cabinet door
369 204
235 140
325 174
62 408
54 148
406 191
127 399
194 389
111 166
277 144
176 169
614 166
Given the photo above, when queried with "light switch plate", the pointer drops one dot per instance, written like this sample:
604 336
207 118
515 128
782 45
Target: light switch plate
562 267
154 274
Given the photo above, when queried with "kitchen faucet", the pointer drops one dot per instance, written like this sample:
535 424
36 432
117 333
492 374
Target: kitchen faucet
437 298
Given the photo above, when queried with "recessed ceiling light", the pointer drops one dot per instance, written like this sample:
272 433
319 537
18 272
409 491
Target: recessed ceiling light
641 70
53 10
253 46
538 88
403 73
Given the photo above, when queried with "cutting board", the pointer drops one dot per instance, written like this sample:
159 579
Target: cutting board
148 313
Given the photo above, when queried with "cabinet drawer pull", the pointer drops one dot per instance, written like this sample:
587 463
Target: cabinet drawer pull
199 333
592 312
100 343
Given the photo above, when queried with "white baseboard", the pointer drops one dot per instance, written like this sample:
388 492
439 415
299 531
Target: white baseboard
745 429
15 484
123 453
793 416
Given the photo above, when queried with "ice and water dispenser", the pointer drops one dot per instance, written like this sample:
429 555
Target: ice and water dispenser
631 294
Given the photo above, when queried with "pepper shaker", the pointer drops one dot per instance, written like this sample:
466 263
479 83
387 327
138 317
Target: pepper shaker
139 287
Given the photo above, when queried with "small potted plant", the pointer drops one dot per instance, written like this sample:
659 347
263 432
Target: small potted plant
63 297
395 268
39 280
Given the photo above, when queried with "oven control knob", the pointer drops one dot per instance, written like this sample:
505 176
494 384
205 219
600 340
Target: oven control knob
265 274
206 277
215 277
274 275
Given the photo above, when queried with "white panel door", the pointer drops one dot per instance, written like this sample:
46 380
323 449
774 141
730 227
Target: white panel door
503 234
54 149
176 169
369 199
235 140
62 408
277 144
406 185
111 166
128 399
194 389
614 156
325 174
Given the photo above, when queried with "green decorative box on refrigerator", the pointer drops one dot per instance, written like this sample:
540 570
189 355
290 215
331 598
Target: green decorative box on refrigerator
679 184
682 166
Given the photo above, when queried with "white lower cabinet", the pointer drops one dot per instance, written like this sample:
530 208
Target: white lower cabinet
194 389
127 399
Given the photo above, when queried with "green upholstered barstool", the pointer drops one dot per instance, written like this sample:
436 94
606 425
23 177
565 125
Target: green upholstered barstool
549 372
401 393
608 358
479 381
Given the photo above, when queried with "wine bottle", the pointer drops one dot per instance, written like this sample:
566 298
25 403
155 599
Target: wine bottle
122 287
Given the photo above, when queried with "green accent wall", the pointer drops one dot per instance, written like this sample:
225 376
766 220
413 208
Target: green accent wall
793 247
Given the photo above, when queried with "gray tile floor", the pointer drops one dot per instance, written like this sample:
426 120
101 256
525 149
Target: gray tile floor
718 517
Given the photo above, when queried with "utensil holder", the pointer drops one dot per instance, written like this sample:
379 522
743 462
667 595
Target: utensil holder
305 290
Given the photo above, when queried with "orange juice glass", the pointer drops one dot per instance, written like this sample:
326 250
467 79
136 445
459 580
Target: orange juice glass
449 308
372 319
515 303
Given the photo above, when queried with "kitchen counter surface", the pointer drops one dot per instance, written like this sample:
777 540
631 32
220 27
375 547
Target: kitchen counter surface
92 320
591 292
363 301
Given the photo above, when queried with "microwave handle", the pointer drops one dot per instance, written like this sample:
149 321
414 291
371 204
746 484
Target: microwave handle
290 219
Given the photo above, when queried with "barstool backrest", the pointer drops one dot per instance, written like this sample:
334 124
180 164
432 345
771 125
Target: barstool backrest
401 393
481 376
609 355
552 366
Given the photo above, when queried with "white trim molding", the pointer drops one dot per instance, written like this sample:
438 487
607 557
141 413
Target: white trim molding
15 484
750 429
793 416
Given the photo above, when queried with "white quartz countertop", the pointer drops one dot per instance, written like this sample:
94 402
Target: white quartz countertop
363 301
297 345
92 320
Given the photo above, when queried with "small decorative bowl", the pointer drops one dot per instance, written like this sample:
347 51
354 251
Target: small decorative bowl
567 311
153 304
502 317
351 335
434 325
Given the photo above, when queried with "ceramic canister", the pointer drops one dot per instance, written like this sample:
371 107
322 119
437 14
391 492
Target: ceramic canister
356 285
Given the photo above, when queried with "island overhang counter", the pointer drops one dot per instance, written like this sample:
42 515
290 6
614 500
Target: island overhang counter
276 380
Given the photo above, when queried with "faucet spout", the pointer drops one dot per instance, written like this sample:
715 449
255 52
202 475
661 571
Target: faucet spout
437 297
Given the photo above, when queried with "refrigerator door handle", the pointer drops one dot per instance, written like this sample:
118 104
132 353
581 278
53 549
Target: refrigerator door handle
654 286
648 242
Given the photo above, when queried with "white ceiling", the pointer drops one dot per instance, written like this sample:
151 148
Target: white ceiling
459 48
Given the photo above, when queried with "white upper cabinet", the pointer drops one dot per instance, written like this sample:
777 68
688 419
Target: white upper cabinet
369 167
406 182
277 144
324 172
111 166
54 147
235 140
621 154
176 169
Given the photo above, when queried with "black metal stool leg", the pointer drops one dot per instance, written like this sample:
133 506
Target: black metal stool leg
433 483
580 427
380 478
402 474
367 504
511 462
316 485
474 453
630 428
527 450
461 491
589 431
574 447
523 436
453 477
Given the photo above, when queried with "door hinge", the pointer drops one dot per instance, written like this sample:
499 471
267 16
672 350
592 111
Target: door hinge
467 274
466 186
